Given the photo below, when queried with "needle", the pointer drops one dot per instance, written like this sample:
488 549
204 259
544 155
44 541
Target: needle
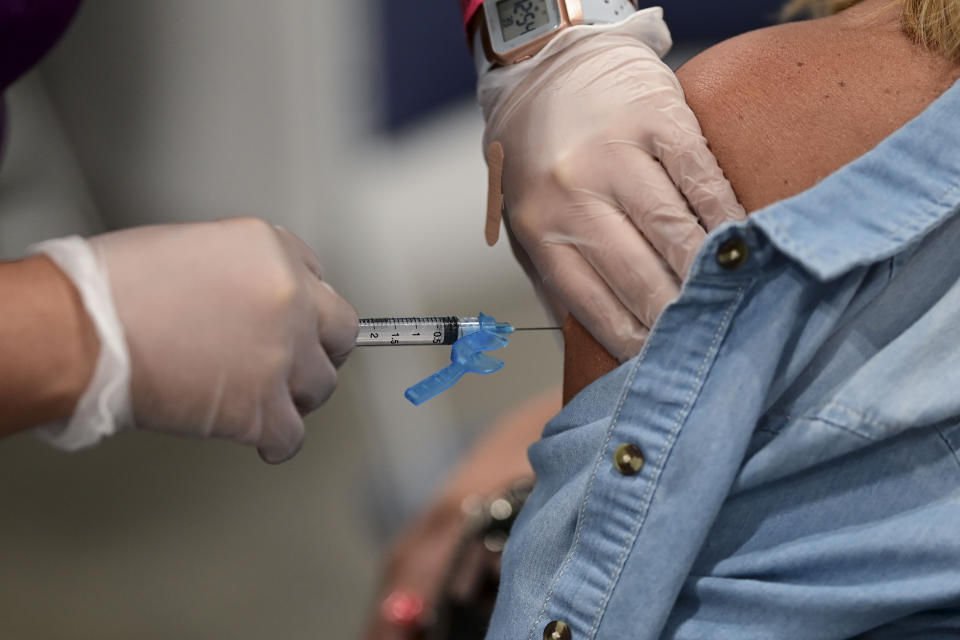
537 329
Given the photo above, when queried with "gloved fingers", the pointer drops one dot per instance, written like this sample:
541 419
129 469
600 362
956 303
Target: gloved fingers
624 259
684 153
601 267
337 323
548 298
312 378
282 431
659 211
590 300
302 250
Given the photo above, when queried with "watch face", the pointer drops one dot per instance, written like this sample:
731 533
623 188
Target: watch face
520 17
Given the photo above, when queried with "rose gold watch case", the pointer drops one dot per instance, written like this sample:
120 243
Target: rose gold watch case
571 13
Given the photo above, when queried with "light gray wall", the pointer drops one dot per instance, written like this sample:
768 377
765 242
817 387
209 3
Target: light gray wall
187 110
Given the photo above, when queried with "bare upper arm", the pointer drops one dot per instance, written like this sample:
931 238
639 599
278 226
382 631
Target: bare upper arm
786 106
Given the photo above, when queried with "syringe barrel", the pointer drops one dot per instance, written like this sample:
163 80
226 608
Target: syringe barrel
414 331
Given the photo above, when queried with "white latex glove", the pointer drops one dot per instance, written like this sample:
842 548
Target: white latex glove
230 329
606 179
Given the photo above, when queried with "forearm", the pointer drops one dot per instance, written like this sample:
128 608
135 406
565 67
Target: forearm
500 457
421 560
48 345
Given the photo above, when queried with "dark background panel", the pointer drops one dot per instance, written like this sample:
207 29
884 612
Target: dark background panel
702 20
425 63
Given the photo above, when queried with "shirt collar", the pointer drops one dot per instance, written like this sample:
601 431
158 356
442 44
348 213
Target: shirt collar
879 204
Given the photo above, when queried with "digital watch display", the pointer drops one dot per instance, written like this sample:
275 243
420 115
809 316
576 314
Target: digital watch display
514 30
520 17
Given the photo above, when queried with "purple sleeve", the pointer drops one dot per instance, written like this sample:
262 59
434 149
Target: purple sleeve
28 28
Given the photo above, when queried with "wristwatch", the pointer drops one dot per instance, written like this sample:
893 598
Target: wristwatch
510 31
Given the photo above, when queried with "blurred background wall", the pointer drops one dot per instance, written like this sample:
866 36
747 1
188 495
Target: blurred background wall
352 124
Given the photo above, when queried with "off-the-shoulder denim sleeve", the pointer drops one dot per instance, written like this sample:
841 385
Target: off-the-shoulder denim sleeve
790 431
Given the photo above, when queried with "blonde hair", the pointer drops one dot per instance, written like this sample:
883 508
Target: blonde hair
933 23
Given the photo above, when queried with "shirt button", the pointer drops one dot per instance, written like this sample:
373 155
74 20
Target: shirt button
733 253
557 631
628 459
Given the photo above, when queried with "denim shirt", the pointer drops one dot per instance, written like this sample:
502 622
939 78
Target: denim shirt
797 416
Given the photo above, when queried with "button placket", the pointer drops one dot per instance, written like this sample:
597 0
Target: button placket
635 447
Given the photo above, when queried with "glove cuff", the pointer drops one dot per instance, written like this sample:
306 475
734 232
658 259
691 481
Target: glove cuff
646 25
104 408
495 85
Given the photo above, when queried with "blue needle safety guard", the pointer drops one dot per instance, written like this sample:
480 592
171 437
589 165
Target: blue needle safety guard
466 356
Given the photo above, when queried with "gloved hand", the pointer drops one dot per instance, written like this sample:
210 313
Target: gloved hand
231 331
606 179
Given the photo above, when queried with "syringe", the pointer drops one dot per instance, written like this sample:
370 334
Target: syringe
434 330
471 338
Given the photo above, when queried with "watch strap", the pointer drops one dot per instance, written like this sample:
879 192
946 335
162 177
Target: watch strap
480 61
606 11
